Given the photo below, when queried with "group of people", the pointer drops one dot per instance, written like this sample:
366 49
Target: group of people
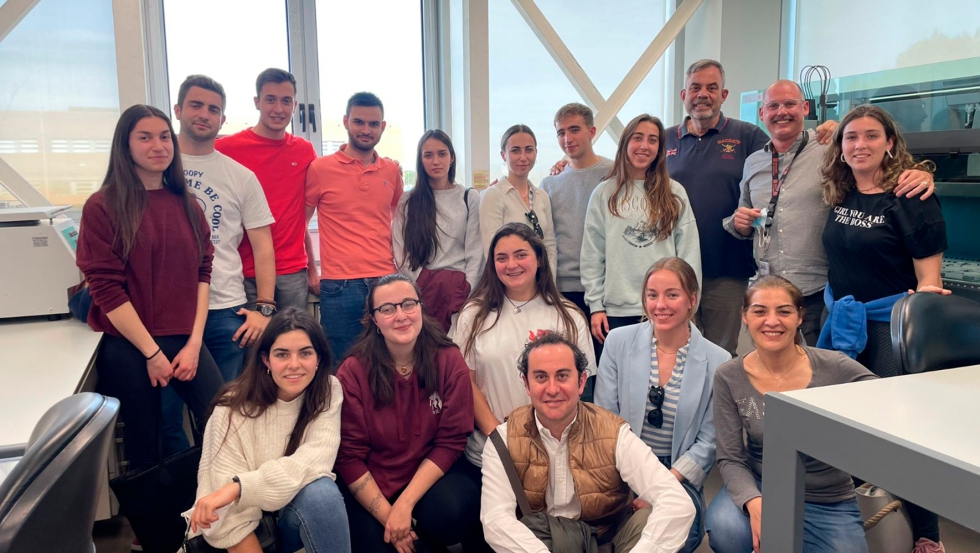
441 388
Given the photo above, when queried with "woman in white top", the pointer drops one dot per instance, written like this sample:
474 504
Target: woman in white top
515 199
634 219
271 443
441 248
516 300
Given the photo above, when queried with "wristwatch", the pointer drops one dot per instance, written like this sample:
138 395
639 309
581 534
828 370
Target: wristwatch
266 309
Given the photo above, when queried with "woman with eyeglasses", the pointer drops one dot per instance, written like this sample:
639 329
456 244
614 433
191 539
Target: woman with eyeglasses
659 376
773 312
880 247
441 249
515 199
516 300
636 217
408 406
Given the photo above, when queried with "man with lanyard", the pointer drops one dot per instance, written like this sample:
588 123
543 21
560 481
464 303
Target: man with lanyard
785 178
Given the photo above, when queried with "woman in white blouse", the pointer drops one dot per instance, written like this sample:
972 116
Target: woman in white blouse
515 301
515 199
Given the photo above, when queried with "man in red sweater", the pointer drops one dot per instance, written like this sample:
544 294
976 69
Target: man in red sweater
280 161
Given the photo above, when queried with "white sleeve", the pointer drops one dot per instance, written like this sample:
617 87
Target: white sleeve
548 229
673 512
584 335
592 268
498 507
277 481
473 243
398 240
255 207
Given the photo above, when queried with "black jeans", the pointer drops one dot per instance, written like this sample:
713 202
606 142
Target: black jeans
449 513
122 374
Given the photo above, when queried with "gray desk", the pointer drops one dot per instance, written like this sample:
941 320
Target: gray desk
916 436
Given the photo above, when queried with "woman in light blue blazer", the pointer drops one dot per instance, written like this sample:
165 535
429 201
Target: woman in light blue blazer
658 375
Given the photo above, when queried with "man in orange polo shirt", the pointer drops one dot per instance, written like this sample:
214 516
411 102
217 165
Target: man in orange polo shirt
354 191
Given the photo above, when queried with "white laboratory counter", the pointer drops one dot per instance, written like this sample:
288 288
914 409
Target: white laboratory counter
41 363
913 435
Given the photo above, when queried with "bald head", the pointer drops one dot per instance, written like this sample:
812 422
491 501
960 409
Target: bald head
783 111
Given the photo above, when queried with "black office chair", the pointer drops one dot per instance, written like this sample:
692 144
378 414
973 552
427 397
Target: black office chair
48 501
931 332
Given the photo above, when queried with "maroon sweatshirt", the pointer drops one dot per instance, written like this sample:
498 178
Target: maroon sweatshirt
163 270
392 441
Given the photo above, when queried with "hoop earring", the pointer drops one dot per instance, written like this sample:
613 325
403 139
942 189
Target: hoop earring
890 156
377 329
268 372
842 157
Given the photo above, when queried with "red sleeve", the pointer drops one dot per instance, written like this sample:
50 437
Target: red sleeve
98 259
354 441
456 421
204 271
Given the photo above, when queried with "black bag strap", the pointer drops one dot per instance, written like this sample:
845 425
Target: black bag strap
515 481
466 201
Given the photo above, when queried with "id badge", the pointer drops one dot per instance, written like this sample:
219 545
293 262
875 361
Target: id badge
763 268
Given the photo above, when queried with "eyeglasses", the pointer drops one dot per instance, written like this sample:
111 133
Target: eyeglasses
786 104
532 218
388 309
656 415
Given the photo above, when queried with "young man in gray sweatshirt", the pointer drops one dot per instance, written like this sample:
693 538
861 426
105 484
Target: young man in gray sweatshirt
569 192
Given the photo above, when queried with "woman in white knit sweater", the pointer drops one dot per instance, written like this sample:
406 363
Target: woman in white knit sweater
270 445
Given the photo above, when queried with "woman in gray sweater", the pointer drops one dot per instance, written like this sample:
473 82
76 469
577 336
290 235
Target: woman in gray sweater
773 311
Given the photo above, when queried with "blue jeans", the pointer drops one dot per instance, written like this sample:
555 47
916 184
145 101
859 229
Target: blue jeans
218 332
342 306
315 519
827 527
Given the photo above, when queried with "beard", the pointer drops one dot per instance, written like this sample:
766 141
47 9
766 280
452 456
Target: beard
196 135
359 146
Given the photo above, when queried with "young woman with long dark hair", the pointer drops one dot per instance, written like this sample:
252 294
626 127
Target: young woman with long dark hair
271 443
635 217
145 249
436 232
516 300
407 410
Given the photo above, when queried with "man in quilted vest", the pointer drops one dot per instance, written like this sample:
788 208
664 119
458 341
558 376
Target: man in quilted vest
579 461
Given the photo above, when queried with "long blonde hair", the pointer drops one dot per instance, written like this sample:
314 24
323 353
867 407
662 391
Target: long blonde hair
663 207
838 179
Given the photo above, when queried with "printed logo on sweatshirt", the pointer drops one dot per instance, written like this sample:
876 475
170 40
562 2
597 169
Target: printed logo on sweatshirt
435 402
206 195
640 235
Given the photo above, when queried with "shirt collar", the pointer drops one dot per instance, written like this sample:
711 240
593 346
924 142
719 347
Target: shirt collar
544 432
343 157
683 131
795 144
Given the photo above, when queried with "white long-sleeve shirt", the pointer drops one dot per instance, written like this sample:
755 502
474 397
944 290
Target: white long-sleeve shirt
666 529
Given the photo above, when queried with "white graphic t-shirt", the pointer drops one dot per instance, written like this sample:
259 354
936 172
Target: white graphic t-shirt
232 200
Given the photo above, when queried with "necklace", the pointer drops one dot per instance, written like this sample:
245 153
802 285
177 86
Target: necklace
517 308
869 189
779 383
406 369
662 350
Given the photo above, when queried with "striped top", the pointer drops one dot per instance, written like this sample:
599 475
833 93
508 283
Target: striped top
660 439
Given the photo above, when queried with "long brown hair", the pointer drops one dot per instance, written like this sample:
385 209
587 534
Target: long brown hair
490 295
422 235
372 350
125 195
254 390
663 207
838 179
